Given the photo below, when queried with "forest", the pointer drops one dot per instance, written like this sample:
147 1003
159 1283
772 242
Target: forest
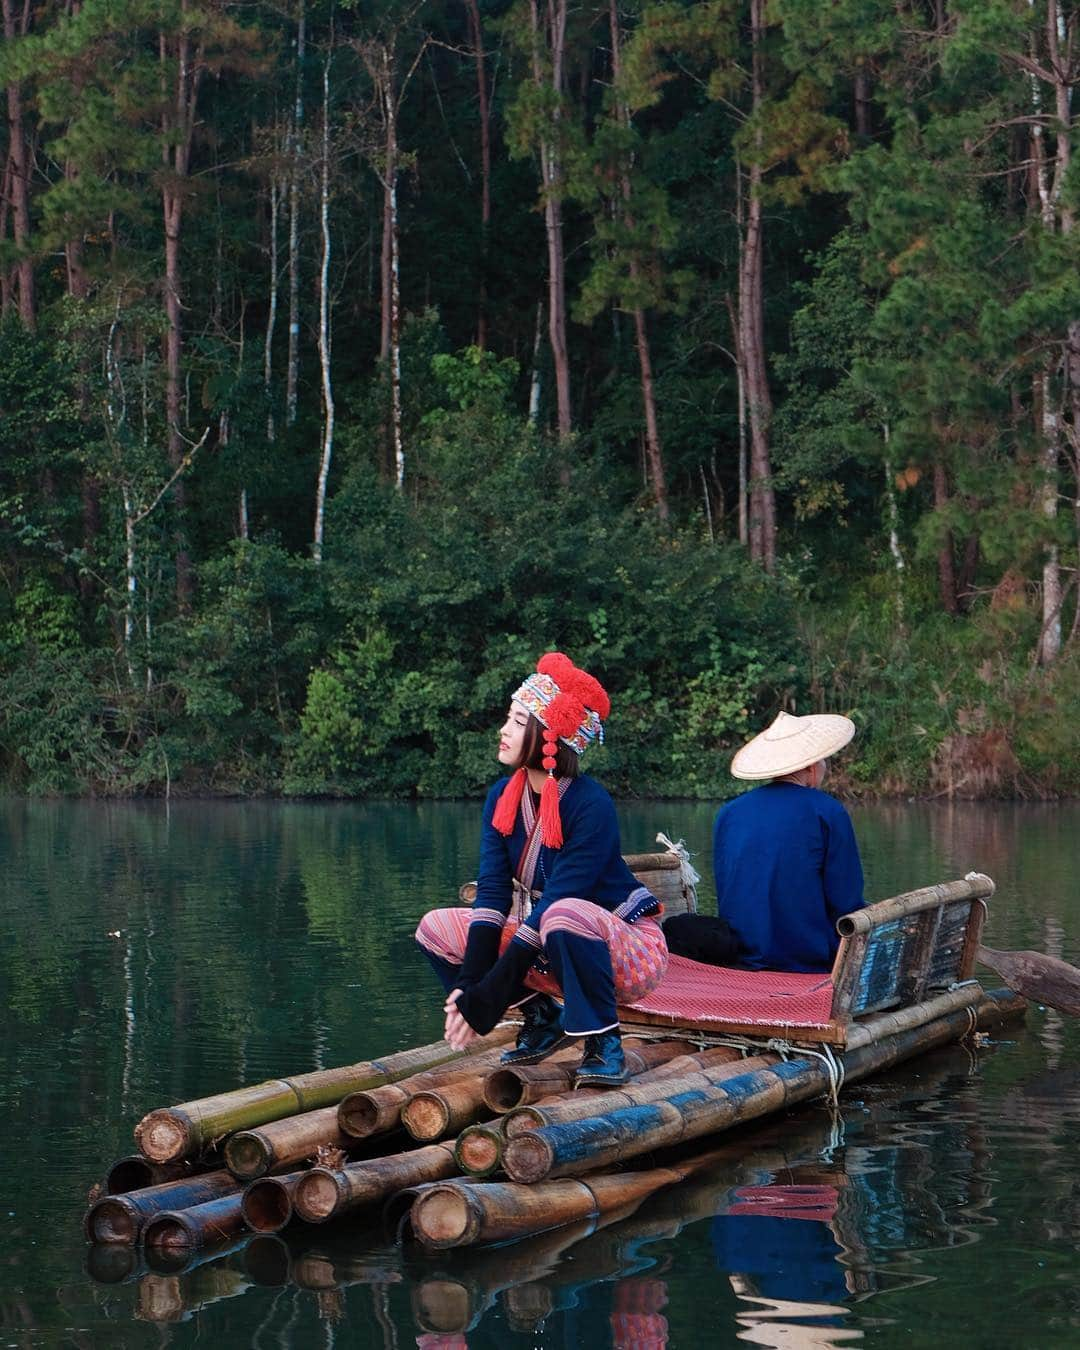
354 353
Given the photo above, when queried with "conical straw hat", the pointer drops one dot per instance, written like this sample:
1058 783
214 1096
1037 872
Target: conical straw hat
792 743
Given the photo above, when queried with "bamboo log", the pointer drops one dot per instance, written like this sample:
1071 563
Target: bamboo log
325 1192
378 1110
178 1232
173 1132
136 1173
122 1218
441 1111
578 1146
518 1085
252 1153
636 1093
461 1213
974 887
479 1149
267 1204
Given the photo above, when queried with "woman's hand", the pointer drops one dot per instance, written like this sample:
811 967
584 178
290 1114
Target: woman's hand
458 1033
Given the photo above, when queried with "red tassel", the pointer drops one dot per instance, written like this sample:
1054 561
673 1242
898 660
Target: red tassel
550 820
506 808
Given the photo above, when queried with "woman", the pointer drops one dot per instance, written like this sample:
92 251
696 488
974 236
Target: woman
557 909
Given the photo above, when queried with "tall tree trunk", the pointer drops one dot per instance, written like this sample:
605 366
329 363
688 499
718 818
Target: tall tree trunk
19 158
392 261
324 321
536 380
476 33
654 451
762 524
553 33
178 121
946 570
292 372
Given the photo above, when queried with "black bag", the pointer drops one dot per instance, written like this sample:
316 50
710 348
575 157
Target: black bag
702 937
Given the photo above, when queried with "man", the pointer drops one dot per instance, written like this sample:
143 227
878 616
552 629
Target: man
785 857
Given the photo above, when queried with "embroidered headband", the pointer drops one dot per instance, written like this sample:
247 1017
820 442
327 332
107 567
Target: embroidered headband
537 695
570 705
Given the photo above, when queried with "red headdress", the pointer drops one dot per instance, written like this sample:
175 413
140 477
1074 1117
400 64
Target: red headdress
570 704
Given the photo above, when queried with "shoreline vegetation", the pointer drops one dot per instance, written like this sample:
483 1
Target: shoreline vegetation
351 357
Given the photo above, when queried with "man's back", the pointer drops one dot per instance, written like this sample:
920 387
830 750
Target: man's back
787 867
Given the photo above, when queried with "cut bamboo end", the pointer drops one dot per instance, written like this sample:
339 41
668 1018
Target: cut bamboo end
521 1121
426 1116
131 1174
317 1195
267 1205
172 1234
165 1135
246 1155
479 1150
113 1220
363 1113
503 1090
528 1158
444 1216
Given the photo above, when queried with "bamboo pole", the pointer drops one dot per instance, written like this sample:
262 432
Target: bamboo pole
252 1153
518 1085
178 1232
122 1218
577 1146
267 1204
461 1213
325 1192
441 1111
378 1110
973 887
135 1173
527 1118
173 1132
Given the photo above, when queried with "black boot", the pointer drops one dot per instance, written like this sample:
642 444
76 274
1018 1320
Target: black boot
541 1035
603 1063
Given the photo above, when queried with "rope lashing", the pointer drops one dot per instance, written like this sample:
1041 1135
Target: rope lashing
687 873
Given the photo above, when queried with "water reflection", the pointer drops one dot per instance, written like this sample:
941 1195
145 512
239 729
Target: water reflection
150 957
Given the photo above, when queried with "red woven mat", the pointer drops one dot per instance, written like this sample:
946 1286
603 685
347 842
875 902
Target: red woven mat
693 992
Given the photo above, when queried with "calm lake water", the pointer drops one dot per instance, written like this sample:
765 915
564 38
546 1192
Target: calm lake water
152 955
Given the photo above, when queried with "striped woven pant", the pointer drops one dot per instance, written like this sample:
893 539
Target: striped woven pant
601 959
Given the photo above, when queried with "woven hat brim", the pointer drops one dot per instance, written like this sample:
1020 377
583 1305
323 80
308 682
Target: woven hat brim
816 737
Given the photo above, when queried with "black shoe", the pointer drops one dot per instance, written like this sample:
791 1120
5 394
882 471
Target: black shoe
540 1036
603 1063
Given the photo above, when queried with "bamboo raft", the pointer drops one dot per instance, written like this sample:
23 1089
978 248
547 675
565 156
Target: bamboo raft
461 1151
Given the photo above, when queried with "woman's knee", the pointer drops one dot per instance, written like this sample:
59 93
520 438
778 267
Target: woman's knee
569 915
432 929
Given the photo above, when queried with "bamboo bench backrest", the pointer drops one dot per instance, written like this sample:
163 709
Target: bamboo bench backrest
660 872
897 952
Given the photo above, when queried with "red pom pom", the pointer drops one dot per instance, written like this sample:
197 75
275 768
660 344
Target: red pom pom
582 686
548 762
549 745
564 714
506 808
